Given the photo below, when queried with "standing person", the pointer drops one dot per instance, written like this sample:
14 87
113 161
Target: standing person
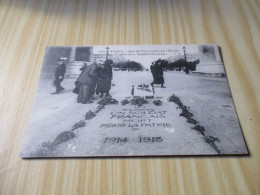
76 89
99 75
95 77
187 67
87 81
158 74
153 73
106 74
59 76
93 68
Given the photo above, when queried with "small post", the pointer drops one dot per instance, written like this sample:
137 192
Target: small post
107 52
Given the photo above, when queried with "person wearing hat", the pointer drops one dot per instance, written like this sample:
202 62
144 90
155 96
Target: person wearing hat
77 84
99 73
105 77
87 81
157 72
59 76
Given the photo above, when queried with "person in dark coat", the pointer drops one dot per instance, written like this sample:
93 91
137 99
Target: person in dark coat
99 75
105 77
152 71
59 76
187 67
95 79
157 72
77 84
87 81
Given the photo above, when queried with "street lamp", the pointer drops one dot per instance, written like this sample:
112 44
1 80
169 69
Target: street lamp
185 61
107 52
184 51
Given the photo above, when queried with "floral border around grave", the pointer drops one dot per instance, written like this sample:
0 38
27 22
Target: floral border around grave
197 127
48 147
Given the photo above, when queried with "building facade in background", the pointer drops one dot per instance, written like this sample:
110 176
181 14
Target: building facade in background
210 60
74 59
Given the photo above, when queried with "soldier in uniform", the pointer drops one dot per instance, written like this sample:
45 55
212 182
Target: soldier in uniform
59 76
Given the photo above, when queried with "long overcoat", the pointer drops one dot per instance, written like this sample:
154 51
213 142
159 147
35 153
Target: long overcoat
105 77
89 75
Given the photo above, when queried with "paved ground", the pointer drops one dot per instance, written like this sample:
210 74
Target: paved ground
208 98
211 102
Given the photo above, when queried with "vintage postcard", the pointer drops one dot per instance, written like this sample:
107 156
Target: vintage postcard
133 100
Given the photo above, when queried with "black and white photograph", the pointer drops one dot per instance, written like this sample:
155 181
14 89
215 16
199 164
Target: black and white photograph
133 100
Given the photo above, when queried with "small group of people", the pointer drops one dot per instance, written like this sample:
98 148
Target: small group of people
157 72
94 78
